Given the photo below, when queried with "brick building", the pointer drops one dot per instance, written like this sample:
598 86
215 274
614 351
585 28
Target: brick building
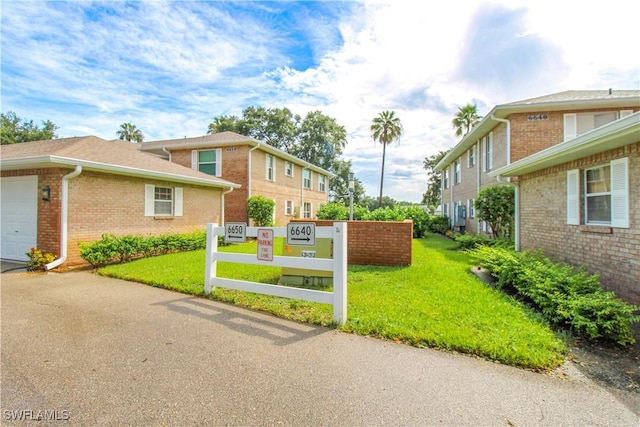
297 187
59 193
573 158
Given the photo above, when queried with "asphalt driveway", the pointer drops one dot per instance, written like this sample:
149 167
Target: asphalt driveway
88 350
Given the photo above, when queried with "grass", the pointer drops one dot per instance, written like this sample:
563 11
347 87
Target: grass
436 302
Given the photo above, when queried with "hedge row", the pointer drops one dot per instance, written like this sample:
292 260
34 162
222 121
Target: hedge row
567 297
111 249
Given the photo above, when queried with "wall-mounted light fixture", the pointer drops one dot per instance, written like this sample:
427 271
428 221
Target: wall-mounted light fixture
46 193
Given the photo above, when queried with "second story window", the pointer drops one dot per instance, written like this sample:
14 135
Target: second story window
576 124
288 169
208 161
322 183
471 156
306 178
445 178
488 152
271 168
457 171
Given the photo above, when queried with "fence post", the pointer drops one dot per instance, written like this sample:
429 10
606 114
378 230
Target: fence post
340 272
210 260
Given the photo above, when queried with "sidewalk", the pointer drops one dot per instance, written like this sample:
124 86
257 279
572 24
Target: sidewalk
108 352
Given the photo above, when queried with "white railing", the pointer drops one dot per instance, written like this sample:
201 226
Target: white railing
338 265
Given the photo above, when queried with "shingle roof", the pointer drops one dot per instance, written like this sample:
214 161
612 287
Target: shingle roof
580 95
93 153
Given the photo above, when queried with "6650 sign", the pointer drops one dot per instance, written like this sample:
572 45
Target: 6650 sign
301 233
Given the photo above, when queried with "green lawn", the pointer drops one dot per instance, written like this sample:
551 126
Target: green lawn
436 302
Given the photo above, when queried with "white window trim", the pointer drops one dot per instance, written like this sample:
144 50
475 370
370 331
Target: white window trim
304 212
489 153
322 183
471 210
310 179
270 166
195 163
287 163
289 208
457 171
149 201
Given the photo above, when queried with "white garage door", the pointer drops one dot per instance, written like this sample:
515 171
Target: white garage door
19 216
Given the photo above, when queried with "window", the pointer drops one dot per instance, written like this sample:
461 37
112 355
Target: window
597 195
471 211
207 161
306 178
162 201
445 178
576 124
605 190
471 157
457 171
271 168
288 208
488 151
306 210
288 169
322 183
445 209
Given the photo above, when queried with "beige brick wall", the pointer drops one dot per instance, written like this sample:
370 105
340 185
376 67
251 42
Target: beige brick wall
235 167
614 253
104 203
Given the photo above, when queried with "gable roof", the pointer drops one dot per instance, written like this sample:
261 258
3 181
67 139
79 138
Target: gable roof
96 154
222 139
567 100
612 135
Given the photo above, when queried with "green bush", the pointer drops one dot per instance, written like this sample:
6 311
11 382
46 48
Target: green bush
568 297
334 210
470 241
111 249
386 214
260 210
438 224
420 220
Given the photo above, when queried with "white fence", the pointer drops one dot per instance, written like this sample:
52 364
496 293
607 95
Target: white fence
338 265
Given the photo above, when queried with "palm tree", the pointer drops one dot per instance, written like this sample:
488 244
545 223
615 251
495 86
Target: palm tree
466 119
129 132
385 129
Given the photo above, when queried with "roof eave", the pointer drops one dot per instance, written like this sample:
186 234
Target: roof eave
56 161
614 135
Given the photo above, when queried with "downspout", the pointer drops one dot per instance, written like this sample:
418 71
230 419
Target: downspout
64 213
222 204
478 167
164 149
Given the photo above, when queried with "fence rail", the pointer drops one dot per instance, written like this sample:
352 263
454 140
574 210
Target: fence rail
338 265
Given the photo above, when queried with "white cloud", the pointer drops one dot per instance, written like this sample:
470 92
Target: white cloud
170 67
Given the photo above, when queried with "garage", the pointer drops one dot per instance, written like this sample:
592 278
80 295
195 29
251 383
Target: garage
19 216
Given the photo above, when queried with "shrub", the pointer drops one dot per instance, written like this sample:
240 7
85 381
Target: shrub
567 297
260 210
470 241
420 220
38 259
334 210
111 249
438 224
385 214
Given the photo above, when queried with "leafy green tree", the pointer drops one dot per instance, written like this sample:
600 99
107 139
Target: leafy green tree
496 206
431 197
223 124
129 132
334 210
385 129
466 118
339 184
260 210
14 130
319 140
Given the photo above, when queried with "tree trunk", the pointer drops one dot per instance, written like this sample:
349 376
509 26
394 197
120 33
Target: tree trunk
384 152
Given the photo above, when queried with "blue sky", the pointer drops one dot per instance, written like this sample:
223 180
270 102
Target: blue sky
171 67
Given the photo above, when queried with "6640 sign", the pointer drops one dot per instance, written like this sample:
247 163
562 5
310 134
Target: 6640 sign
301 233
